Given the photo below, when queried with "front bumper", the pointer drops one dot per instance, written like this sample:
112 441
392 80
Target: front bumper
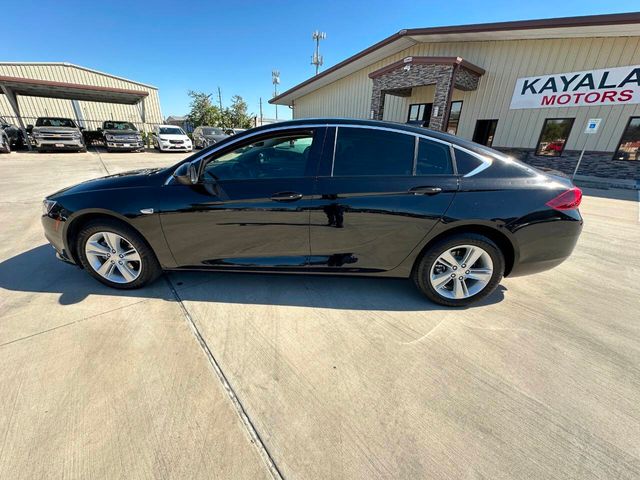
53 233
59 144
178 147
116 145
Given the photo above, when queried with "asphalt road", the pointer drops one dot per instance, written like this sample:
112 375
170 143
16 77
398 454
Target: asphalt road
207 375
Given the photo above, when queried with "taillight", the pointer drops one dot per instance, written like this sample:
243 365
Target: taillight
569 200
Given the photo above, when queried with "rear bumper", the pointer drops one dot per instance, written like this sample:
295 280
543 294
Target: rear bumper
545 245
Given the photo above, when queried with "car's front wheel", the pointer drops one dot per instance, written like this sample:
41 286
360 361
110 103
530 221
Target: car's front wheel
116 255
459 270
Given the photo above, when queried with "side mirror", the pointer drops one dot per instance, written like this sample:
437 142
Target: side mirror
29 128
99 129
186 174
81 129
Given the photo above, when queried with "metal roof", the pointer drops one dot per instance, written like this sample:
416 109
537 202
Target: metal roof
71 91
618 24
86 69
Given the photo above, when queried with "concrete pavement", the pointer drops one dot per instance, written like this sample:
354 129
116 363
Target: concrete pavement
215 375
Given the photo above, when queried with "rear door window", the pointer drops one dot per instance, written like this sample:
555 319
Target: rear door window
434 158
372 152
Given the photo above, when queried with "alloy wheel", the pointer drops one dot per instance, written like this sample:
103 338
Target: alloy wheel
461 272
113 257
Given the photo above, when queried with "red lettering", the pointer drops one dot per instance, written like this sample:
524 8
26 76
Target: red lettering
564 99
625 95
550 100
608 95
578 96
590 95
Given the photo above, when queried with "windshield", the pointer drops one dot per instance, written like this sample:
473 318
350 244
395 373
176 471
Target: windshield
171 131
212 131
55 122
119 126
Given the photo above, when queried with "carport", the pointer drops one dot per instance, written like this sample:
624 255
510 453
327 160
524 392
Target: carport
13 87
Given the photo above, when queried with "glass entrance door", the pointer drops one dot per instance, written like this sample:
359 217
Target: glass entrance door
420 114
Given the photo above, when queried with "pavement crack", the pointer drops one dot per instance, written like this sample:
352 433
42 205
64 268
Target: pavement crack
228 388
101 161
57 327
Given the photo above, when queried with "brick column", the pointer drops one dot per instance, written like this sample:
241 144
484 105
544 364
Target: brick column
377 101
442 99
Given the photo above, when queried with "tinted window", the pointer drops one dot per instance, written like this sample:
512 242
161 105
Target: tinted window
171 131
465 162
433 159
362 151
284 156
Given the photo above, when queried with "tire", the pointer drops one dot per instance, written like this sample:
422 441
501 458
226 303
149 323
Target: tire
5 144
147 267
489 268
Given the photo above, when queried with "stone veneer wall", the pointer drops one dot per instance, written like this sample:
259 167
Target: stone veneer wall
597 164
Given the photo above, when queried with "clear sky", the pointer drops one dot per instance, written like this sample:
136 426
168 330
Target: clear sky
199 45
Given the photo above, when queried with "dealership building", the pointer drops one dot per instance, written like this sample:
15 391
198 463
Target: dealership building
542 90
29 90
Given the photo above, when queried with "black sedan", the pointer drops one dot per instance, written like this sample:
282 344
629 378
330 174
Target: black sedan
328 197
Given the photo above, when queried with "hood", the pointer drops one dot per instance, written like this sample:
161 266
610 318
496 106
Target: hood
131 179
171 136
217 138
55 129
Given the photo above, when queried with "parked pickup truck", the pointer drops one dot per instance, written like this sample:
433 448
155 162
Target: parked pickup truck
53 133
121 136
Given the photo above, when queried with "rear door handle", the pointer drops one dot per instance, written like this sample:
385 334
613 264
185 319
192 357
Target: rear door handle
425 190
286 196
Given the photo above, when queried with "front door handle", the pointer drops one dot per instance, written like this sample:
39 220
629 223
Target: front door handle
425 190
286 196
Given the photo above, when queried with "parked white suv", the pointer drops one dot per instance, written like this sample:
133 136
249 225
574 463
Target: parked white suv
170 138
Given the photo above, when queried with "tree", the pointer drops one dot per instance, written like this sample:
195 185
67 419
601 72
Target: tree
238 113
203 112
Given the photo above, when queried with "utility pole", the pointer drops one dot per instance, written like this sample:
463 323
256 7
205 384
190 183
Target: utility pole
275 79
220 99
260 110
317 59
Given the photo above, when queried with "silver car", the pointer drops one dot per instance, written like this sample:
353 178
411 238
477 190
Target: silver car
52 133
205 136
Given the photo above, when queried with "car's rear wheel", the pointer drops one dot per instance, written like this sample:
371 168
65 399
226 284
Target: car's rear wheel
459 270
116 255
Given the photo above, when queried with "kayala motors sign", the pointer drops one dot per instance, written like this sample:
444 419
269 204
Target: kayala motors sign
606 86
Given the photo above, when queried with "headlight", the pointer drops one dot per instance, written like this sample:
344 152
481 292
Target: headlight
110 137
77 135
47 205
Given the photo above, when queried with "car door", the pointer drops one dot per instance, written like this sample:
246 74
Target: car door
250 209
380 192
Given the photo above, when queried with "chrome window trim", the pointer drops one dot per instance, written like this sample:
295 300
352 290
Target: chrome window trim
333 155
486 161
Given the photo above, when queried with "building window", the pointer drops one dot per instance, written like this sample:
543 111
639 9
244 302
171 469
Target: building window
454 117
485 131
553 137
361 151
629 146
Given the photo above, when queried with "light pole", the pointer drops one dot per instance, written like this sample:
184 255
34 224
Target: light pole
317 59
275 79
